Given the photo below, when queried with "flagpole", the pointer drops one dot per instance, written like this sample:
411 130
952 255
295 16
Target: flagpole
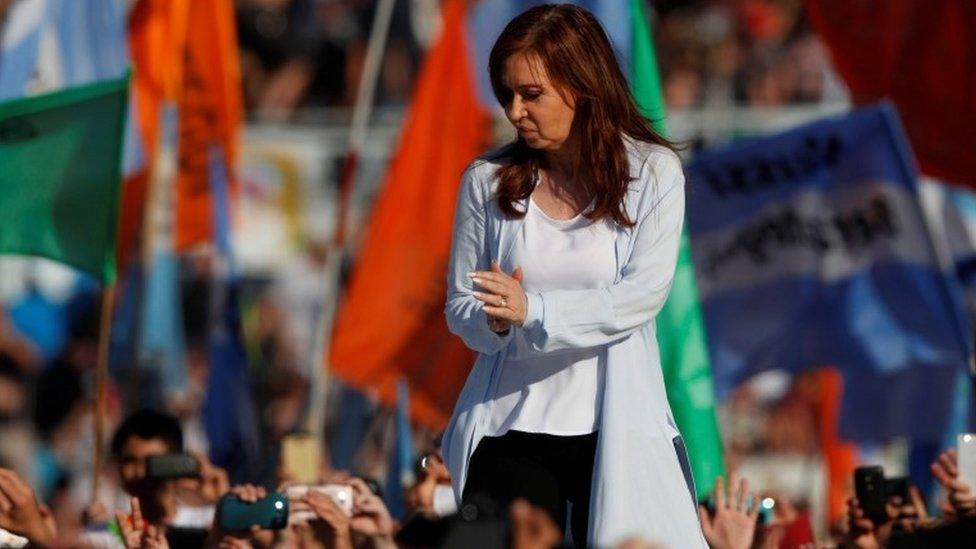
315 419
101 378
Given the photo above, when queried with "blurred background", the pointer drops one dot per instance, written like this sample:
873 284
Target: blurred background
281 284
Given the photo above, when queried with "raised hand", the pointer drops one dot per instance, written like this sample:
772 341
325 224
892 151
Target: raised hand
332 524
734 523
19 511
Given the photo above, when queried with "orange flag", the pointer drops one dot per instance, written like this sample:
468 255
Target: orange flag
157 38
184 52
211 111
392 321
840 457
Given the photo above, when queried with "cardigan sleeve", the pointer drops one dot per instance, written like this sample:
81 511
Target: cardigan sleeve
565 319
469 252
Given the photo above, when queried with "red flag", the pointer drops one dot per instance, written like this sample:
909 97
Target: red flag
920 54
392 321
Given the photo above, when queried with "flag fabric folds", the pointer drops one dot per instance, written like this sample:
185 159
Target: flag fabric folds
811 249
60 182
230 416
400 474
392 321
918 53
681 332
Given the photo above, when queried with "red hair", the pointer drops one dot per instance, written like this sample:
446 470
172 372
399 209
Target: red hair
579 60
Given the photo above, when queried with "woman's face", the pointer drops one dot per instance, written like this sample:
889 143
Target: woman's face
537 110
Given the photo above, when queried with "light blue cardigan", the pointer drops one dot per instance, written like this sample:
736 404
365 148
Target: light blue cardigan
641 482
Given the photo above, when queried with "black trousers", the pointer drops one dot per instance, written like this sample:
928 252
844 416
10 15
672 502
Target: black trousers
546 470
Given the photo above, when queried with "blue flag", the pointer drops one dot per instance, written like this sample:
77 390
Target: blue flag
229 414
811 250
20 45
162 347
400 472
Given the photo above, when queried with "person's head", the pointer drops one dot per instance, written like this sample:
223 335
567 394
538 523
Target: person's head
554 72
141 435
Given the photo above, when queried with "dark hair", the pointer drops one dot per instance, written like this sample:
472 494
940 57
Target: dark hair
578 58
148 424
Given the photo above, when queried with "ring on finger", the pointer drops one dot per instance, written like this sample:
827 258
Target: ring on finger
504 302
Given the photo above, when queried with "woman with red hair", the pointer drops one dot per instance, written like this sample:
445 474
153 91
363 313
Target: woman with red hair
564 248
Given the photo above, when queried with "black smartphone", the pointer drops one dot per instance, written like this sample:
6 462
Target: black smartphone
168 466
898 486
869 486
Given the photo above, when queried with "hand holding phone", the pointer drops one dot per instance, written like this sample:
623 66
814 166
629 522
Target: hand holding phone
242 509
340 494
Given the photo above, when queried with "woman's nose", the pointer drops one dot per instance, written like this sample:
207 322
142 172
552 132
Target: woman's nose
516 110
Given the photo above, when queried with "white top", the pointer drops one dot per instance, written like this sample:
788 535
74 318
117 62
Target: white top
558 393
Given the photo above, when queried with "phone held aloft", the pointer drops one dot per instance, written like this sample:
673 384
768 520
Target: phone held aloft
966 456
341 494
873 491
168 466
267 513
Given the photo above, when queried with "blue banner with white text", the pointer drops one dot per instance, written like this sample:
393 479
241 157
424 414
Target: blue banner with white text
811 250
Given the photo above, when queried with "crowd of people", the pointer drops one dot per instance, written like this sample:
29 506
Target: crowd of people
713 53
175 506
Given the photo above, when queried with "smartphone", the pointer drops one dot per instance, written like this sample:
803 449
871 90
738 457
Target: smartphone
267 513
767 510
341 494
966 451
300 457
898 486
167 466
869 486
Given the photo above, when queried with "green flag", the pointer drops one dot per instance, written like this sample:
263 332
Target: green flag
680 328
60 175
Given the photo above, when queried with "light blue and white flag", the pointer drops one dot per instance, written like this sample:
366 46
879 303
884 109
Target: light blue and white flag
811 249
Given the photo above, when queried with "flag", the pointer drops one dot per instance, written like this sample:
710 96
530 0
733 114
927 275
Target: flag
60 183
20 44
230 416
392 323
185 53
840 457
211 111
811 249
161 335
681 332
399 474
918 53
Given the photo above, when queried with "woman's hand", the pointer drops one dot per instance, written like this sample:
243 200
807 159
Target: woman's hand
504 298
